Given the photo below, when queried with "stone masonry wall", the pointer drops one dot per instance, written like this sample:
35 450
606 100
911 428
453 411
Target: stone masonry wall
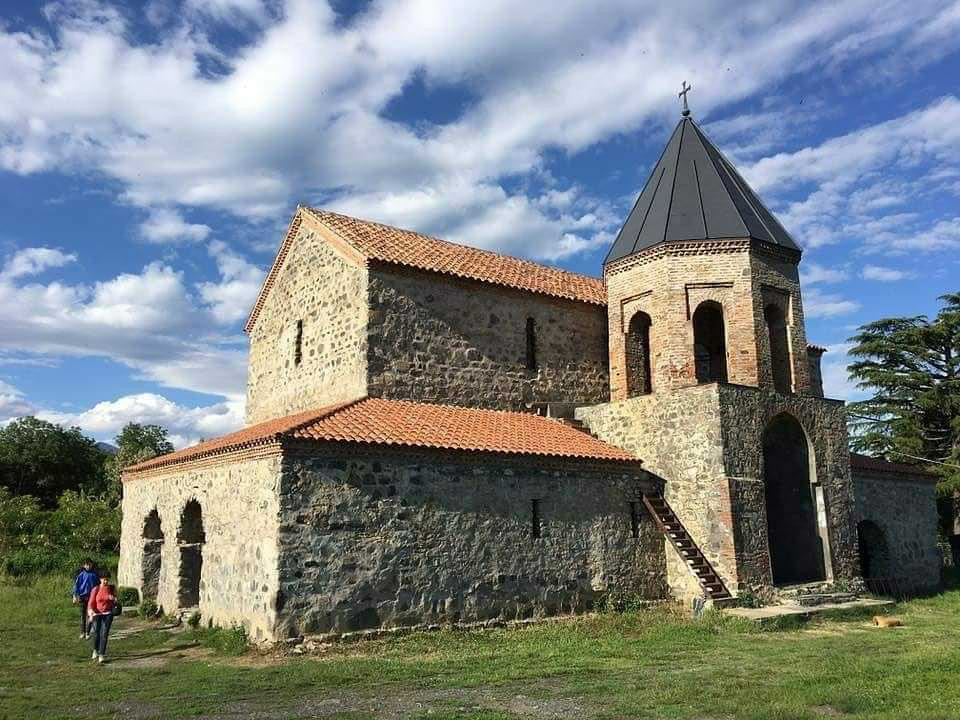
443 340
745 414
394 538
320 286
706 443
677 436
905 510
240 507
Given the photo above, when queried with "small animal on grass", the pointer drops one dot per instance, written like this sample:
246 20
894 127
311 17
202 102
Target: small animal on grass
886 621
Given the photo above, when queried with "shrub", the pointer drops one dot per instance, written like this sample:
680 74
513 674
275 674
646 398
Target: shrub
128 596
618 601
225 641
149 609
194 620
34 540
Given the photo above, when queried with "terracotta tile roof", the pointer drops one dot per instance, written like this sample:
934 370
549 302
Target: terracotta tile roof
865 462
412 249
376 421
260 434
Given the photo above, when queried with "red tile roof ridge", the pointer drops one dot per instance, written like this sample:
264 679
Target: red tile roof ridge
450 258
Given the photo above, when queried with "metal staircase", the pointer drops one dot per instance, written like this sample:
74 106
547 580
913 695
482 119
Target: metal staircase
676 533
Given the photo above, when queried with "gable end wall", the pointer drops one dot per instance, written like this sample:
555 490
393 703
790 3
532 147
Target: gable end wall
322 285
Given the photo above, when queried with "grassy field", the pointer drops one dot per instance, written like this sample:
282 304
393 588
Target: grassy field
651 664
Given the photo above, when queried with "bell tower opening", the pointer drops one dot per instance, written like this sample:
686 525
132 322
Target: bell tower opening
637 346
779 348
709 343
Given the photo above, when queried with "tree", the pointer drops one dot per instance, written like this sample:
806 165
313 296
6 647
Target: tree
42 459
912 367
136 443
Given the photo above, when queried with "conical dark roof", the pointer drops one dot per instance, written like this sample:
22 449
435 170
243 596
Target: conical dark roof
695 194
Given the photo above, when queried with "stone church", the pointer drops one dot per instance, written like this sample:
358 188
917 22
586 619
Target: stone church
441 434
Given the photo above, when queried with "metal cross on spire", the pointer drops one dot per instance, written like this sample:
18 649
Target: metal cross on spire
683 95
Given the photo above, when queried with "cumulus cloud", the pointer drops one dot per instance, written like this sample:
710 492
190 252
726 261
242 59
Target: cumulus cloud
884 274
168 226
13 403
33 261
818 304
186 425
302 103
232 298
836 382
812 274
150 321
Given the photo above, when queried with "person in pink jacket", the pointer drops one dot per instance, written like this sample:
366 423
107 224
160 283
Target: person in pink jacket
103 598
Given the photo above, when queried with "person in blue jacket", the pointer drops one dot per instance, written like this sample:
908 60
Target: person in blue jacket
87 580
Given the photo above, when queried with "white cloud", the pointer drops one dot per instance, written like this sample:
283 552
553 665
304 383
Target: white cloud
812 274
33 261
484 215
13 403
232 298
168 226
149 321
857 186
300 105
818 304
186 425
883 274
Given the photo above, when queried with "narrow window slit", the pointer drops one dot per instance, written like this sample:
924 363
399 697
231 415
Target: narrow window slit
535 518
298 346
634 519
531 344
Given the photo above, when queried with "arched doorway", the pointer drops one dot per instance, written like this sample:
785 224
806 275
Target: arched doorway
190 538
874 551
779 348
637 346
709 343
152 556
796 549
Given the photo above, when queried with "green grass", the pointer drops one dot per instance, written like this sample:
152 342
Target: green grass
646 664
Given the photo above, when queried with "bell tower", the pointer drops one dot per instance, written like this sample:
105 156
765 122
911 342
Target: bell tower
702 282
711 382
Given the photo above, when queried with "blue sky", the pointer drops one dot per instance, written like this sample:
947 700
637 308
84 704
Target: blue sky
152 154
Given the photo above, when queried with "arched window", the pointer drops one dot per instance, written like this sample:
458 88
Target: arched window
152 556
637 347
779 348
190 538
709 344
531 344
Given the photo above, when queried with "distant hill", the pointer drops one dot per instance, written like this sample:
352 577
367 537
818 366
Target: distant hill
107 448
